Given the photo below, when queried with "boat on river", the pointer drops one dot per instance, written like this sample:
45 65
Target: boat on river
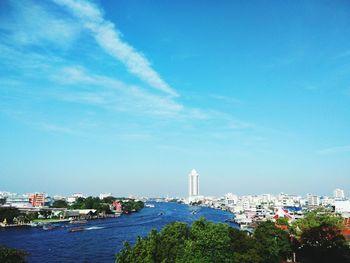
49 227
78 222
76 229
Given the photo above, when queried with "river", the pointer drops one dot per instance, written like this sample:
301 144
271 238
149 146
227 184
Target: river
106 237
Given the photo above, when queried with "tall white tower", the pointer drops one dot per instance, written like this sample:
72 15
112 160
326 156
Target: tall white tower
338 194
193 179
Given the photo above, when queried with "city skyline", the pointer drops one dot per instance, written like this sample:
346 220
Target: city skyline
127 97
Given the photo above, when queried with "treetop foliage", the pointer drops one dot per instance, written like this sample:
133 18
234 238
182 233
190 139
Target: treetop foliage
319 240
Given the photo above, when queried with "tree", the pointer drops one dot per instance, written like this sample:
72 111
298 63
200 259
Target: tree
273 243
316 218
109 199
45 213
318 237
204 241
59 204
11 255
8 213
208 242
282 221
323 243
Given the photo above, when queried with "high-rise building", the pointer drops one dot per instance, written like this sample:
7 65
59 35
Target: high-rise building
312 200
193 178
338 194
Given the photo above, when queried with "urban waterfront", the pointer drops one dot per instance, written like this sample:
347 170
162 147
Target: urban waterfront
103 238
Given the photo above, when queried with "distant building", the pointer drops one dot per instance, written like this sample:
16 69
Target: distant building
74 197
326 201
37 199
193 183
342 206
312 200
19 201
104 195
339 194
231 199
78 195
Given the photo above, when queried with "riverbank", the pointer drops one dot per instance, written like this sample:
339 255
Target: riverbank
48 221
102 243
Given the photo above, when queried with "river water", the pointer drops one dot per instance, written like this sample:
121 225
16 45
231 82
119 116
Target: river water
105 237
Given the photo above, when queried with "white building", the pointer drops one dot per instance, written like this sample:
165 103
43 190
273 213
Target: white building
104 195
193 183
342 206
326 201
339 194
19 201
231 199
312 200
74 197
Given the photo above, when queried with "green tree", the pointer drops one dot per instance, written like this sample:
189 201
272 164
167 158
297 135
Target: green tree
282 221
316 218
109 199
323 243
11 255
202 242
59 204
273 243
208 242
8 213
45 213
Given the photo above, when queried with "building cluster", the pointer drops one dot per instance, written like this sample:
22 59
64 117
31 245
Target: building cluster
35 201
25 200
42 206
250 209
240 204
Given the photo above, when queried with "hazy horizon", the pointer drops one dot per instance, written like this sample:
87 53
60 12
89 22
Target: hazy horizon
127 96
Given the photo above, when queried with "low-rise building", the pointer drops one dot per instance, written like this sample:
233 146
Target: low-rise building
19 201
37 199
342 206
104 195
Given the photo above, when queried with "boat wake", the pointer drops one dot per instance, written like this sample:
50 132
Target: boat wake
94 228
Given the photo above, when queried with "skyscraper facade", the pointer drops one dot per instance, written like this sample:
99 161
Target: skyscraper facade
193 179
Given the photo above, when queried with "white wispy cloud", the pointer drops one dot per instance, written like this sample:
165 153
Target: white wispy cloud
109 38
49 74
30 23
113 94
335 150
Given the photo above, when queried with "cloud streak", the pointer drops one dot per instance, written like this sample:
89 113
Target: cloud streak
112 93
109 38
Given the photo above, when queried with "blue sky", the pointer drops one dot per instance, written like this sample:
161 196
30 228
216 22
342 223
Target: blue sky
128 96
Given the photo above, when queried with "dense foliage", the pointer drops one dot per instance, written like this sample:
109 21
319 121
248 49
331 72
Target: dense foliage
11 255
319 240
205 241
131 205
92 203
59 204
103 206
8 214
314 219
